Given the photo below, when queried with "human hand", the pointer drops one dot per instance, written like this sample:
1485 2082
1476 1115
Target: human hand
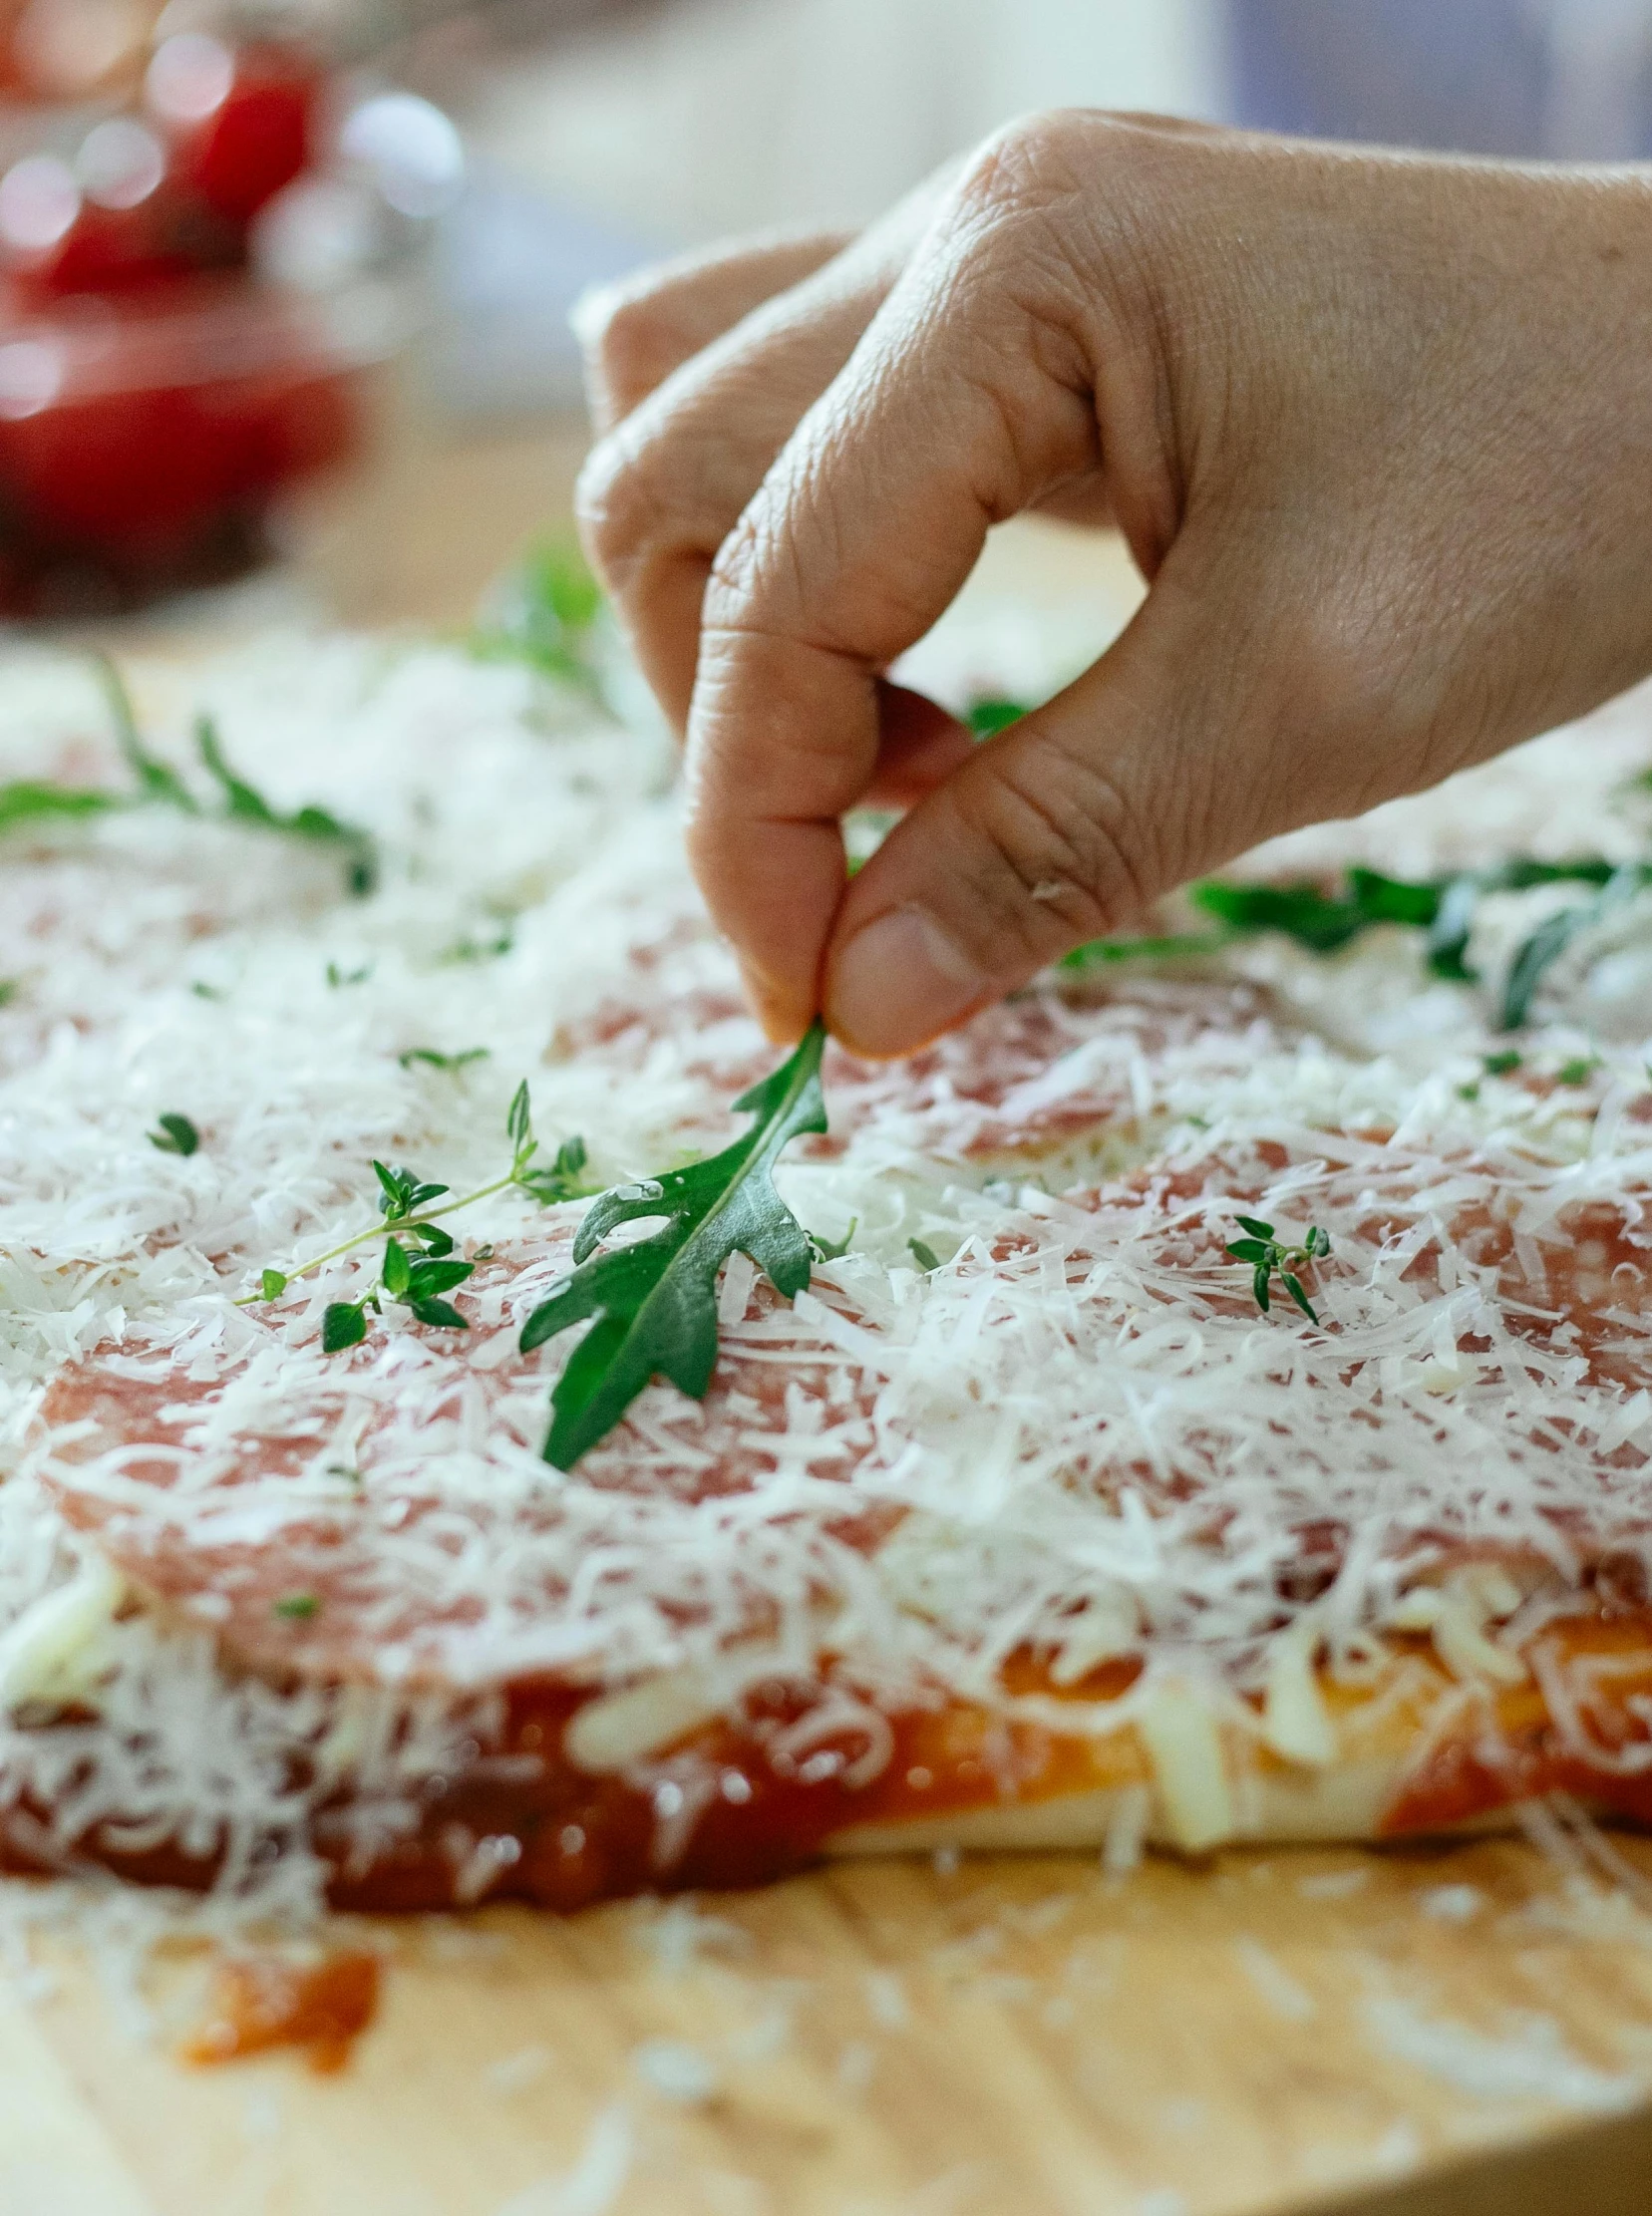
1376 428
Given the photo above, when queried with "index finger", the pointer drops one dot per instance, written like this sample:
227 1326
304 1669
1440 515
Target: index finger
946 418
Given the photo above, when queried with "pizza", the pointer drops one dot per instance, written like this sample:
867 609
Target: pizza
1038 1517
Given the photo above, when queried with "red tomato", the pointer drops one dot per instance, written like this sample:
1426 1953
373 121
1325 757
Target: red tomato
253 140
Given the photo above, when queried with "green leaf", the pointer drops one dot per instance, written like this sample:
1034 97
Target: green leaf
157 779
297 1607
1293 1286
468 949
519 1122
397 1271
430 1278
1252 1250
438 1240
439 1061
440 1312
1537 956
653 1302
1313 918
543 617
924 1257
833 1250
343 1324
271 1285
397 1188
1255 1227
1318 1243
336 976
1446 948
985 717
1381 900
27 801
244 804
1175 947
1500 1064
1579 1071
176 1135
1260 1286
561 1181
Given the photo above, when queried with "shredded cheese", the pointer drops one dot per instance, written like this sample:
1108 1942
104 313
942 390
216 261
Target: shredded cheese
1077 1440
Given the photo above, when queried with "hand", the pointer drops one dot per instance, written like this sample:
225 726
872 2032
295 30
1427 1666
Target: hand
1376 428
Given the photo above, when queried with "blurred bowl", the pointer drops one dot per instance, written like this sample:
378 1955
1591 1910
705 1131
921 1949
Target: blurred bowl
149 445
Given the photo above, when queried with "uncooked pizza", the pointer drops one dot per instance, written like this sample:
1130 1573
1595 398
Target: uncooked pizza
482 1422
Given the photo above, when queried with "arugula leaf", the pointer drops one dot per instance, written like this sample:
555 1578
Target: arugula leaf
1446 949
1173 946
28 801
1315 919
437 1061
654 1303
244 804
176 1134
986 716
157 779
1537 954
545 616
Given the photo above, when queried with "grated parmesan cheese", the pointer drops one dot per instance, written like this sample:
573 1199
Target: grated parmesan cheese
1077 1440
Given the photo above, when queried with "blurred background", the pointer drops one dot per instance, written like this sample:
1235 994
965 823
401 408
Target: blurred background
286 284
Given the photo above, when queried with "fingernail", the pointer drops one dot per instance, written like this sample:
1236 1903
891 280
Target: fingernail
898 981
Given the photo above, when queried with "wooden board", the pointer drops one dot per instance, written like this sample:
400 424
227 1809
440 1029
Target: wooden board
1271 2031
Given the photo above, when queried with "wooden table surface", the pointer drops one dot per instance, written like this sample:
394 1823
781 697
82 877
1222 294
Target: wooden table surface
1464 2029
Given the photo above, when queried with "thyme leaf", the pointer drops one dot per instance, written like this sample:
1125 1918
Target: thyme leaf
1268 1255
408 1207
653 1302
176 1135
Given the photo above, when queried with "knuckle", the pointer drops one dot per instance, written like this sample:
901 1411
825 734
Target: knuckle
738 569
615 508
629 333
1058 856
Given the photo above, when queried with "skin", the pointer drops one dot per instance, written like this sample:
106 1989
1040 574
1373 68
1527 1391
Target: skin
1376 427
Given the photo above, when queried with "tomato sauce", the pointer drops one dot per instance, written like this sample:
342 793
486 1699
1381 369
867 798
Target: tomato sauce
1516 1751
260 2002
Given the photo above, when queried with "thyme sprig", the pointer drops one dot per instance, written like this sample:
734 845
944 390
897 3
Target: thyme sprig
408 1209
1266 1254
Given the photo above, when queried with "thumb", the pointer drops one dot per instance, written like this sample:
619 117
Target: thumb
1055 831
